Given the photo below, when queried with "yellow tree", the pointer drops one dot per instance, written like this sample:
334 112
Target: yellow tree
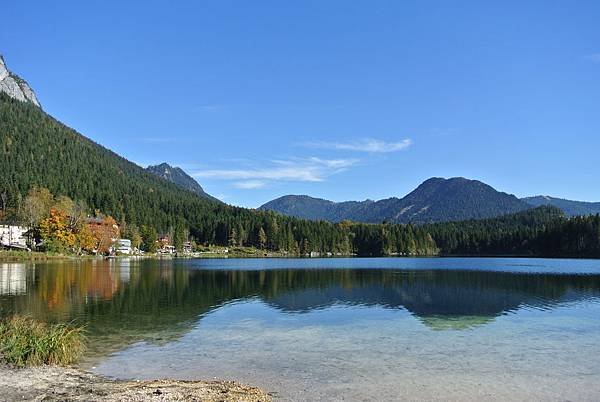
55 231
84 239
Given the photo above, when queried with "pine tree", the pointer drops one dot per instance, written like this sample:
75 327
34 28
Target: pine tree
262 238
149 237
233 238
305 247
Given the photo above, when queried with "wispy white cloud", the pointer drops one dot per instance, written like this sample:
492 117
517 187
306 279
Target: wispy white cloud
370 145
595 57
250 184
281 170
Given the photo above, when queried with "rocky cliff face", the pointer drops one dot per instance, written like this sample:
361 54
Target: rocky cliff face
178 176
15 87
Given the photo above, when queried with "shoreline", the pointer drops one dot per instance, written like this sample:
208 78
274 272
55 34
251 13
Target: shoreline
36 256
54 383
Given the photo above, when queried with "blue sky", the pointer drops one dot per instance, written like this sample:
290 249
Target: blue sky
335 99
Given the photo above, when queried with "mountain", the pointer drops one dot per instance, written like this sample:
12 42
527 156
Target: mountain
570 208
439 200
179 177
15 87
305 207
435 200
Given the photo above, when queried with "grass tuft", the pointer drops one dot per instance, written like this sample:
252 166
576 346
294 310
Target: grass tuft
27 342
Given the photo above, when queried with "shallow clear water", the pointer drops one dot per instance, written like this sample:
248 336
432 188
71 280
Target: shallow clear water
334 329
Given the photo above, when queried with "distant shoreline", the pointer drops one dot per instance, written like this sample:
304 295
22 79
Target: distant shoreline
36 256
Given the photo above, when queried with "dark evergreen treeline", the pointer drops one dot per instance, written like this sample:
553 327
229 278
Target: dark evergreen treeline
574 237
543 231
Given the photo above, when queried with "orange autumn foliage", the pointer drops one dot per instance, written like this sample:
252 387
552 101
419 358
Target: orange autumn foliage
103 232
56 233
59 234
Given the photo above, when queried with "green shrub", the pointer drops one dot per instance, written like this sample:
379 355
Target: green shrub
26 342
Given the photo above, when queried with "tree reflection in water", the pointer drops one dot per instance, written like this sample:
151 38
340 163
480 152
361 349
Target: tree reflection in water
122 302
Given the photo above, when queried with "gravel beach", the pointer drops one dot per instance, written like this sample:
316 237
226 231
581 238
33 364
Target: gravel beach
52 383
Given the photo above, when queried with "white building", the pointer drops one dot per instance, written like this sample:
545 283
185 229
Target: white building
13 236
123 246
187 247
166 249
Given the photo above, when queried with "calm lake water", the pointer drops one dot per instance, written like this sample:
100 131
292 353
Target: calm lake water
333 329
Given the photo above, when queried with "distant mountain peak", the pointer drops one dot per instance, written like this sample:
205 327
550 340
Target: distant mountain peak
569 207
437 199
179 177
14 86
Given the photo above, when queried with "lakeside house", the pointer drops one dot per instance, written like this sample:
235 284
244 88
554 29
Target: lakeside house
123 246
13 236
101 223
164 245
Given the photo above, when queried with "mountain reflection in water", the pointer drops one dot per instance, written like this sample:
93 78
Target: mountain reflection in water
122 302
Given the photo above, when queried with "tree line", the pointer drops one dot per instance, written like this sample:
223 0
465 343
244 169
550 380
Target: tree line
60 224
542 231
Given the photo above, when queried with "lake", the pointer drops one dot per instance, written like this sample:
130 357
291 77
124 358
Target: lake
333 329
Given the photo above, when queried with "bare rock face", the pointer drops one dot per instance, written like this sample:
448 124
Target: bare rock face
15 87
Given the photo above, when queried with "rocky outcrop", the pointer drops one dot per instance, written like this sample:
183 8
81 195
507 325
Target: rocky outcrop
15 87
179 177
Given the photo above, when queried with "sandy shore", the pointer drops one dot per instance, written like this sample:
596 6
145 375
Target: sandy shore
51 383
